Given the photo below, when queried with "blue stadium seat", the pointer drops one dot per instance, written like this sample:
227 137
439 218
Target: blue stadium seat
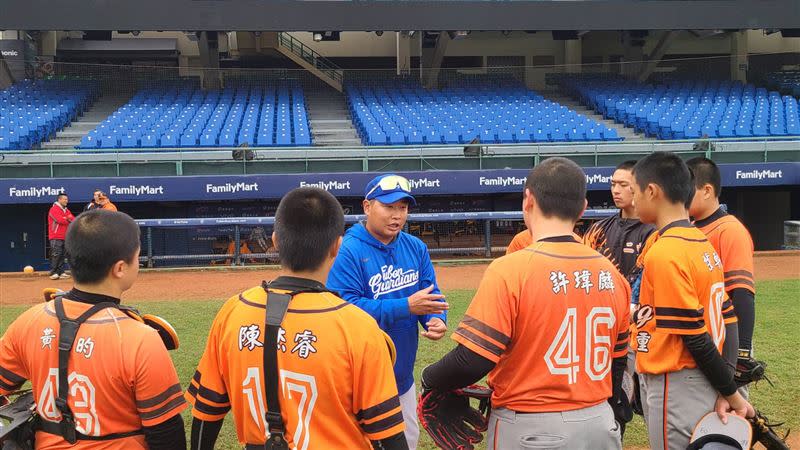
208 140
168 141
149 141
129 141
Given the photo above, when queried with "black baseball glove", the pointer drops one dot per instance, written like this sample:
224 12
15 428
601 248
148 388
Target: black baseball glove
763 432
449 418
749 370
18 418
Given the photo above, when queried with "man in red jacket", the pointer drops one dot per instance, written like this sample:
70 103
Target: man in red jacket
58 219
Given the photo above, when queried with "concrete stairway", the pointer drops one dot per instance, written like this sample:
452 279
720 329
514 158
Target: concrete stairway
622 130
330 121
71 135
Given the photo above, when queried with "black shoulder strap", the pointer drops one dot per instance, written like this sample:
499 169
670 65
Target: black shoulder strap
68 331
277 305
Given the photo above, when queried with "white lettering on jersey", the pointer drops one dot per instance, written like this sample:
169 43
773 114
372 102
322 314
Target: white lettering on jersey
391 280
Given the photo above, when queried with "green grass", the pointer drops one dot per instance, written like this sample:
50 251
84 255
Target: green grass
777 339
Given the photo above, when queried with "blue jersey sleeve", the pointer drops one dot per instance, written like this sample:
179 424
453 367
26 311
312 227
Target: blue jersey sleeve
346 278
427 277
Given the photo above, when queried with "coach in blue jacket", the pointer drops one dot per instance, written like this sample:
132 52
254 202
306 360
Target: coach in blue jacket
388 273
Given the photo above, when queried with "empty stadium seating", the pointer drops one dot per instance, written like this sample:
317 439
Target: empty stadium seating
33 111
688 109
184 116
502 111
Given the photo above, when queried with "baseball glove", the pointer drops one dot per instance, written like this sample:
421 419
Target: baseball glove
18 419
749 370
51 293
763 432
450 420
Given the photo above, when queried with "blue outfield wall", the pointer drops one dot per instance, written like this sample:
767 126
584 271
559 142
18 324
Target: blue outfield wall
347 184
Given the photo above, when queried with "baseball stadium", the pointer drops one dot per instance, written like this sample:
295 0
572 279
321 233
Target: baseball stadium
450 132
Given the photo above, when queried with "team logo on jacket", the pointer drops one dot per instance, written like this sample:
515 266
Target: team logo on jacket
643 315
391 280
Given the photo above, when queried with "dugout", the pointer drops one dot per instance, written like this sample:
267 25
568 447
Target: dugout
24 234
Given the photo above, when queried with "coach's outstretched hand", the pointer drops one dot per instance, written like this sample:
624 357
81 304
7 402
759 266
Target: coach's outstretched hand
436 329
423 302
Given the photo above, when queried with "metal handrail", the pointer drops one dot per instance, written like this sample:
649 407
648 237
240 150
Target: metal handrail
306 52
374 148
428 156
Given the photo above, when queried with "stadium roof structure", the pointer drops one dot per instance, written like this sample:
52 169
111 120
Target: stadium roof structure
398 15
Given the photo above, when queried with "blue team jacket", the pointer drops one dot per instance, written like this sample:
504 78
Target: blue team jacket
379 278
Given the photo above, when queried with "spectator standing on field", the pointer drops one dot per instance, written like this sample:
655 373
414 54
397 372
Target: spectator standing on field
95 201
104 203
58 219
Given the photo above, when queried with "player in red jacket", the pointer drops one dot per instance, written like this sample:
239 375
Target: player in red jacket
58 219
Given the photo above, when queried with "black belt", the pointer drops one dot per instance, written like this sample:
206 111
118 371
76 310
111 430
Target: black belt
56 428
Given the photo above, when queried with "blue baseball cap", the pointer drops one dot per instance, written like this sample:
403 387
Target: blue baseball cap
389 188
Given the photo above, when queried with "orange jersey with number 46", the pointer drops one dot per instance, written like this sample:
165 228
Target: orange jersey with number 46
552 317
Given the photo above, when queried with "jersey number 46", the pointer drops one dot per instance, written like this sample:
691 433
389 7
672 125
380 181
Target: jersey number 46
563 358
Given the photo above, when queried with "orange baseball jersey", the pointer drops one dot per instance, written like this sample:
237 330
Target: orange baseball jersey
520 241
552 317
648 244
734 245
682 292
121 377
338 386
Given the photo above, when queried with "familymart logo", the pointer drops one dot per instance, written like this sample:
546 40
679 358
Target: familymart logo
35 192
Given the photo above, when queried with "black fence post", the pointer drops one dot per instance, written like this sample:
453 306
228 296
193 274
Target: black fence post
237 255
487 237
149 247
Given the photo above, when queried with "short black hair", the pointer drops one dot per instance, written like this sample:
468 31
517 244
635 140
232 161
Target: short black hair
626 165
97 240
690 198
705 172
61 194
307 223
668 171
559 187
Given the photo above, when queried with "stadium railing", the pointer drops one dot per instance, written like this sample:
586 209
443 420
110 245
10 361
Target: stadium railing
192 242
211 161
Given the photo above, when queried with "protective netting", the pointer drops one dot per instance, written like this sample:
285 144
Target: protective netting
240 241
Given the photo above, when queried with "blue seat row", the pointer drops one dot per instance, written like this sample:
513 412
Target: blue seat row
32 111
392 113
688 109
187 117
